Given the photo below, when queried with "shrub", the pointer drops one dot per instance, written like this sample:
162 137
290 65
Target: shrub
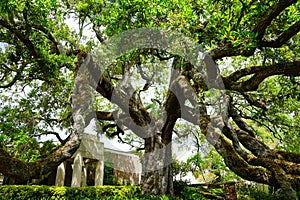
34 192
254 193
25 192
179 185
190 193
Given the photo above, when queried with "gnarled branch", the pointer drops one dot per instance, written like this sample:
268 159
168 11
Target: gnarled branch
283 37
260 74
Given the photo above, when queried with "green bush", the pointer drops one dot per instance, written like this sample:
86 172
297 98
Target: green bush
109 178
254 193
19 192
190 193
179 186
36 192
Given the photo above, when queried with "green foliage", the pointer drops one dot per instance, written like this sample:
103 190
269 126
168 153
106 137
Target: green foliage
278 126
212 162
40 98
109 178
218 167
179 186
48 192
34 192
38 42
243 193
253 193
191 193
180 168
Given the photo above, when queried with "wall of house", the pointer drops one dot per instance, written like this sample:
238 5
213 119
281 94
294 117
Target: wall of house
126 166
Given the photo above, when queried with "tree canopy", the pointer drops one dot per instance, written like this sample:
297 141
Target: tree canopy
252 51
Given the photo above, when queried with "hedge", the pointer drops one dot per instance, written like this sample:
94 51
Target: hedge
39 192
20 192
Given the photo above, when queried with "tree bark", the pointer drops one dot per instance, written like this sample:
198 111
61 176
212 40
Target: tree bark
24 172
157 168
157 171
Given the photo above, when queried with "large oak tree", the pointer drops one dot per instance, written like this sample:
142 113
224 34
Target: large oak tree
259 92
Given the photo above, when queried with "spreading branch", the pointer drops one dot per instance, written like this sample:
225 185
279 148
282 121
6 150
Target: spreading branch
55 134
13 81
98 33
260 73
25 40
283 38
49 36
269 15
254 102
259 29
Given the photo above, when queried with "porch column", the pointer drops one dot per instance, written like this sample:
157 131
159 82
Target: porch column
83 177
60 175
99 172
77 169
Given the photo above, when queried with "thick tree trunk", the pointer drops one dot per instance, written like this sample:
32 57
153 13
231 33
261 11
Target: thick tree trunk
157 170
245 165
23 172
